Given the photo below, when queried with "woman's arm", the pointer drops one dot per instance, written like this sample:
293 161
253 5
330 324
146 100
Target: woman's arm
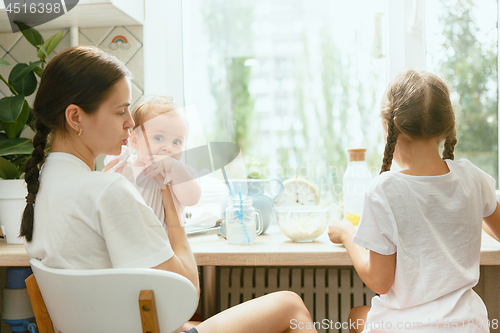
491 224
183 261
185 188
376 270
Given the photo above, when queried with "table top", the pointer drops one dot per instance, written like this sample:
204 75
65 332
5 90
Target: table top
275 249
269 249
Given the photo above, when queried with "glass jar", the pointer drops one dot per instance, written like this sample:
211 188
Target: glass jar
243 221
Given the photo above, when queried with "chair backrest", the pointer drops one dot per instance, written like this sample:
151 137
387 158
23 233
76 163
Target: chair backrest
106 300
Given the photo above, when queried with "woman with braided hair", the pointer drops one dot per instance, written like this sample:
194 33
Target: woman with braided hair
81 219
419 238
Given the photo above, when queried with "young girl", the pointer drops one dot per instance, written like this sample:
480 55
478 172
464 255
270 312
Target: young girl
419 238
158 137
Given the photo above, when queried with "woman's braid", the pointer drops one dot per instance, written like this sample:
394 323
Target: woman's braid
31 176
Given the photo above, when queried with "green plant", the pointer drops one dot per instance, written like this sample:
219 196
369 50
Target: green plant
15 112
256 171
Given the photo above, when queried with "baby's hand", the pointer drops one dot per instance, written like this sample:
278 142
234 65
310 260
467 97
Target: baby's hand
160 163
340 229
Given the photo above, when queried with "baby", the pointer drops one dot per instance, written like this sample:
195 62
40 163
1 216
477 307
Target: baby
158 139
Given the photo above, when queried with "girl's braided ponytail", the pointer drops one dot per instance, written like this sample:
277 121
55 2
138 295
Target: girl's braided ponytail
449 147
418 106
392 138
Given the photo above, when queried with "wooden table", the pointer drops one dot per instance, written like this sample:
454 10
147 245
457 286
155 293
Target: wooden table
275 249
270 249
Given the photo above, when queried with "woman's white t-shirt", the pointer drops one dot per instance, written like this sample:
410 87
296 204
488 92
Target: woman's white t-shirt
91 220
434 225
149 189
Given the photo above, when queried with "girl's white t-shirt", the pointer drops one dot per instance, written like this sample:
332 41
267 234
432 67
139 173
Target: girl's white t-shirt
434 225
91 220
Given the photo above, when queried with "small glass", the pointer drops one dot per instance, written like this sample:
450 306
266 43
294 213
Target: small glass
243 221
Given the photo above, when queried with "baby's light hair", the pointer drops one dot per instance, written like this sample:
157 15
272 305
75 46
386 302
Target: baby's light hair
418 105
154 104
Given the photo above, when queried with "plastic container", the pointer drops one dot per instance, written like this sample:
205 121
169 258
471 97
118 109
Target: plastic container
12 204
357 177
17 311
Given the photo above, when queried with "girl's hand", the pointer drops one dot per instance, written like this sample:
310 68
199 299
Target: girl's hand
339 229
160 163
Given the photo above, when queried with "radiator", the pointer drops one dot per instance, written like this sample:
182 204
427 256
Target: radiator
329 293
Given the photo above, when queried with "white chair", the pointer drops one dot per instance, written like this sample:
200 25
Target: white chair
110 300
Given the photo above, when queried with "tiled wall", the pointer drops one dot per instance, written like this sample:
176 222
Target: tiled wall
125 42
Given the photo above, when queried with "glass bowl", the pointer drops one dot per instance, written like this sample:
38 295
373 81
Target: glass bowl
302 223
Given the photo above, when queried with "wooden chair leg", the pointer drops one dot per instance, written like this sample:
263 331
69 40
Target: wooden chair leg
41 314
149 317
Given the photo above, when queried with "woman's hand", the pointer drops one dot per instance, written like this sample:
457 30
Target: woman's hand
160 163
339 229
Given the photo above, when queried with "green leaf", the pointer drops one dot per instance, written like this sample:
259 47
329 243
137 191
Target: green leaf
16 146
22 118
31 34
4 62
27 85
7 84
25 71
42 53
38 71
3 137
31 121
51 43
10 108
9 128
8 170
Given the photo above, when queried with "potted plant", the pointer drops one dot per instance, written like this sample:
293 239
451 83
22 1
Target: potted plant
15 116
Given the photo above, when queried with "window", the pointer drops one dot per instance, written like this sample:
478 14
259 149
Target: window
462 48
296 83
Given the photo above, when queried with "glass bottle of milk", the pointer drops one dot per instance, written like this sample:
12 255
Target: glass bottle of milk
357 177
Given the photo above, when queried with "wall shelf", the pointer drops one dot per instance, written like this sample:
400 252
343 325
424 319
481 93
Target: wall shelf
89 13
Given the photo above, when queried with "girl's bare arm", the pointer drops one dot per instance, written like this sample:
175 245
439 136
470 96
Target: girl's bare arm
183 261
376 270
491 224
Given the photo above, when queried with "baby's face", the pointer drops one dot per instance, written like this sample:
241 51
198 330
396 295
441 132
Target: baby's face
166 134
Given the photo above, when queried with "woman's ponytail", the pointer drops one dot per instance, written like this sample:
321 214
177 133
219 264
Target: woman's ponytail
31 176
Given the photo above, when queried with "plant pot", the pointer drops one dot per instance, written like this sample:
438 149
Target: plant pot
12 203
